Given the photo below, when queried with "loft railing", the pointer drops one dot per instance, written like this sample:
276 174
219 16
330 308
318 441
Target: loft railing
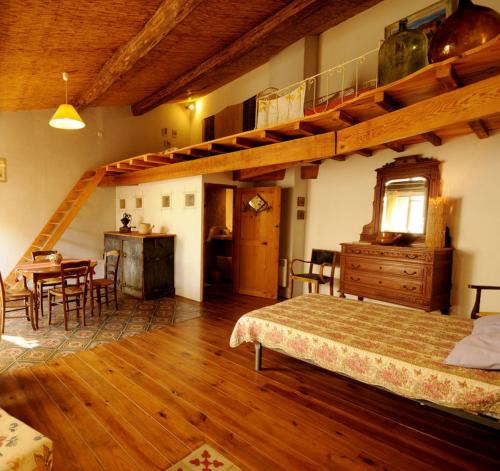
319 92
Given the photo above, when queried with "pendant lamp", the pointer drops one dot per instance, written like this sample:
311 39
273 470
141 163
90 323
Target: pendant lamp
66 117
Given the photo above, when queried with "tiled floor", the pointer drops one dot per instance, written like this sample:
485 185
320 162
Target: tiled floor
20 346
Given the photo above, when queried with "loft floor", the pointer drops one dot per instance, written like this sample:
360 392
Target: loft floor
142 403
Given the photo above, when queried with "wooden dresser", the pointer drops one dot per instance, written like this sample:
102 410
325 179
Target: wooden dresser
147 263
417 277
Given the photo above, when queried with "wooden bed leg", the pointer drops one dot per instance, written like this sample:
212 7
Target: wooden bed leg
258 356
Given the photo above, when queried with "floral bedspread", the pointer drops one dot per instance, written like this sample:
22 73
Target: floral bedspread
396 348
21 447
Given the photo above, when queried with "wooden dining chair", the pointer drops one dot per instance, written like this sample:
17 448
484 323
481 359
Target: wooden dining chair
323 259
73 290
16 298
103 286
476 309
45 285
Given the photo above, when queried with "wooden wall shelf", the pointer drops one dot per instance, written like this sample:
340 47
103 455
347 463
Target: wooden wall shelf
458 96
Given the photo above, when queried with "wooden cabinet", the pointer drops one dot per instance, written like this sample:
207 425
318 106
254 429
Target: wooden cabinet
417 277
147 263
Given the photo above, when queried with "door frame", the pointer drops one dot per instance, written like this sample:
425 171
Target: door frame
205 186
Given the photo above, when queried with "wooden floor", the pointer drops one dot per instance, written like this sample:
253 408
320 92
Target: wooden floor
144 402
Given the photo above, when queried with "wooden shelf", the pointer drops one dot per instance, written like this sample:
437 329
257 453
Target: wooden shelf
452 98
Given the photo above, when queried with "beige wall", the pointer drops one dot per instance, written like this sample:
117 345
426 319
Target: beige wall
185 223
44 163
340 201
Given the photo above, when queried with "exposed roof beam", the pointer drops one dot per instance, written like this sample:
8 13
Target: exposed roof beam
168 15
244 44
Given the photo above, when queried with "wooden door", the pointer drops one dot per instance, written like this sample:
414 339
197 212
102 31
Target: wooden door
256 241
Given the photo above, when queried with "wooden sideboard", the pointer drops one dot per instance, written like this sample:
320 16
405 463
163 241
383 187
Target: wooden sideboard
417 277
147 263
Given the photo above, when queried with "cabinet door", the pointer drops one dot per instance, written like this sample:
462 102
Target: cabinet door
158 267
132 281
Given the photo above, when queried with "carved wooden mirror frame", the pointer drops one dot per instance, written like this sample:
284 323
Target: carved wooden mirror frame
402 167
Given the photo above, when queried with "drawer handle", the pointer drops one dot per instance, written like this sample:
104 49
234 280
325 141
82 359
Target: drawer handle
355 266
408 273
354 279
410 288
411 256
356 251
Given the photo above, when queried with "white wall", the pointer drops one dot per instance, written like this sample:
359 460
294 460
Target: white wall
185 223
44 163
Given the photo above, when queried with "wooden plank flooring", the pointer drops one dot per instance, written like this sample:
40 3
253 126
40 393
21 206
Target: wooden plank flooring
144 402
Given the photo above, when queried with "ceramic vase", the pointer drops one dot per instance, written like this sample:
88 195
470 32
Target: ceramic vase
468 27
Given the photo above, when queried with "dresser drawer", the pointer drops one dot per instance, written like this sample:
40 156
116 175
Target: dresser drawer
409 271
386 282
399 254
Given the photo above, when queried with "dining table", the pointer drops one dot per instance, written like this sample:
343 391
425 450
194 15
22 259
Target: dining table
42 270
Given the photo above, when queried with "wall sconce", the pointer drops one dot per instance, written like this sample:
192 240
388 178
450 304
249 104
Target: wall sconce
191 106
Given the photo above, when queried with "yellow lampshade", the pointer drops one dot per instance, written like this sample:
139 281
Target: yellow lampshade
66 117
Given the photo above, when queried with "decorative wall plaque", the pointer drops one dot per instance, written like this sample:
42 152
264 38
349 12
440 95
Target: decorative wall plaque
258 204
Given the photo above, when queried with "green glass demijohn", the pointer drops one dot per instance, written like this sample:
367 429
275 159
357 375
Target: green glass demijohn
401 54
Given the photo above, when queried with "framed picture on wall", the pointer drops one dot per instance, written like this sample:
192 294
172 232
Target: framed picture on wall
426 20
189 200
166 201
3 170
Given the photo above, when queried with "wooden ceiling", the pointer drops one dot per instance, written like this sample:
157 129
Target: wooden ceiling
144 53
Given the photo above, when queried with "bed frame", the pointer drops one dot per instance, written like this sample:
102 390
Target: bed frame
477 418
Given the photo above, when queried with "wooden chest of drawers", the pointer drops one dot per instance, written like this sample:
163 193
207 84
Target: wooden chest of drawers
146 265
412 276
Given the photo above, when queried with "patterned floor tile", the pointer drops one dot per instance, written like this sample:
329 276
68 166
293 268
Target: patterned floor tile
20 346
204 458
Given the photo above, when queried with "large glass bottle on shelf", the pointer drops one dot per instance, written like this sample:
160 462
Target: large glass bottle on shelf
401 54
470 26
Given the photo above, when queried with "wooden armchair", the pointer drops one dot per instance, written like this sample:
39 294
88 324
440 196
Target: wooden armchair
322 258
73 289
16 298
45 285
102 286
476 309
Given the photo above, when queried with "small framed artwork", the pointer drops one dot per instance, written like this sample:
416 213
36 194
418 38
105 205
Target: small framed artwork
301 201
3 170
166 201
122 203
301 214
426 20
189 200
138 202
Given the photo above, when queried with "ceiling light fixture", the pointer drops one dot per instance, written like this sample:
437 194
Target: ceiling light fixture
66 117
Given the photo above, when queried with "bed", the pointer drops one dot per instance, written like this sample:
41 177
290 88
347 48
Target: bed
395 348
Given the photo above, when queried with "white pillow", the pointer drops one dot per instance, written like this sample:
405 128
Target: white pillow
477 351
486 325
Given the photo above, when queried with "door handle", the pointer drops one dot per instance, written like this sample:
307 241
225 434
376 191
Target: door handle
408 273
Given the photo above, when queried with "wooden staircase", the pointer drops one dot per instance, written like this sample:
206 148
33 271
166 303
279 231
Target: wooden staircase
63 216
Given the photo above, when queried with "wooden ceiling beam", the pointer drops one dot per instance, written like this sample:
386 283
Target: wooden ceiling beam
238 48
169 15
479 128
395 146
309 148
462 105
140 162
249 174
309 172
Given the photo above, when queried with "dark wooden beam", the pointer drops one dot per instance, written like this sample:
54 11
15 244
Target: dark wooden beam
365 152
385 102
432 137
309 172
169 15
239 47
395 146
479 128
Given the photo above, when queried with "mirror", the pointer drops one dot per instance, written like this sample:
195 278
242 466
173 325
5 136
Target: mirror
400 201
404 205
